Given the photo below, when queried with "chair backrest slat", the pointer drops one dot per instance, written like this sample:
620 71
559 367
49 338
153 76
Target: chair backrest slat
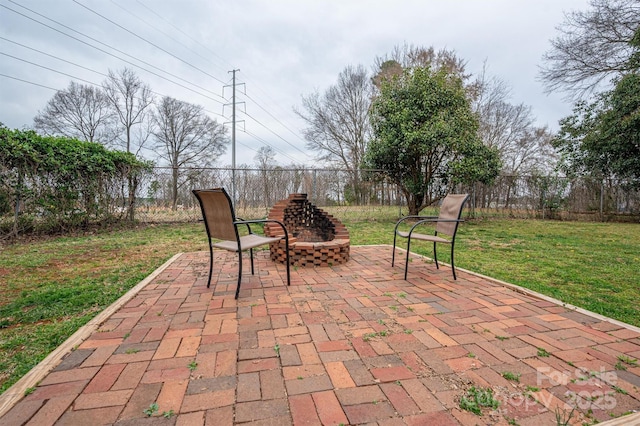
451 209
217 211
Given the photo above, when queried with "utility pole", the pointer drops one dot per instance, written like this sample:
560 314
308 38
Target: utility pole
233 137
233 134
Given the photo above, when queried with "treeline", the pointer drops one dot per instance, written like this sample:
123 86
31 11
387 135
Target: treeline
522 196
123 113
53 184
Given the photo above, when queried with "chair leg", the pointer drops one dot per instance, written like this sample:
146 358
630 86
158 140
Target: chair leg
210 264
239 272
393 253
453 265
406 262
251 255
435 255
286 248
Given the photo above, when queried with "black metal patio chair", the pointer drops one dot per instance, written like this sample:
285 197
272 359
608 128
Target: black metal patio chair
446 224
222 225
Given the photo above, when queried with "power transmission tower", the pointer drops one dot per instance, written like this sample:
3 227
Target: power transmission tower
233 135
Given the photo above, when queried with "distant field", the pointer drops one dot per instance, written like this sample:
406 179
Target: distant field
53 286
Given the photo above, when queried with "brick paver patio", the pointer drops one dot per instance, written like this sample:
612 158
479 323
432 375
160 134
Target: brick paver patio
349 344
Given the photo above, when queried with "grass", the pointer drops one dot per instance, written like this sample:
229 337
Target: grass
514 377
53 286
477 398
595 266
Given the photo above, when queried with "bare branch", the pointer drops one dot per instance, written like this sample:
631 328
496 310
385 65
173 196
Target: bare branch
80 112
185 136
131 100
409 56
511 129
338 121
592 48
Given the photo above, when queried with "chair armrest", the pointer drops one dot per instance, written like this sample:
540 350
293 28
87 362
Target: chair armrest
435 220
248 222
240 221
402 219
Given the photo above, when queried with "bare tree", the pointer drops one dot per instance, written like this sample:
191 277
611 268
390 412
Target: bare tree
501 123
592 47
131 100
338 122
532 154
186 137
510 128
265 159
523 147
80 112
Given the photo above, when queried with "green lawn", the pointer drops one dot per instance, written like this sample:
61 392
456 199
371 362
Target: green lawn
595 266
51 287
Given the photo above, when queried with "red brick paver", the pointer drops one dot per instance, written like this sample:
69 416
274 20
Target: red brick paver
348 344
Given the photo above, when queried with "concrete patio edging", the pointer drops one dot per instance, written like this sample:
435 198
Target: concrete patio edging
12 395
532 293
528 292
628 420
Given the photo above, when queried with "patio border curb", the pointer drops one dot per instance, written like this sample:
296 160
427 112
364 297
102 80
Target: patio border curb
569 306
528 292
632 419
16 392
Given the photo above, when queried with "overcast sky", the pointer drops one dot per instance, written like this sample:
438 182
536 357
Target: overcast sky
284 49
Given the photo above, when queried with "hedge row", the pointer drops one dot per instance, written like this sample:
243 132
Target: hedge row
53 184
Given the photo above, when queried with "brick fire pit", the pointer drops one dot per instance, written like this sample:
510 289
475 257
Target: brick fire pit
315 237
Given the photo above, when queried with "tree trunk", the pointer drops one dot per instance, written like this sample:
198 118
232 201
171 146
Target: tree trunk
131 201
174 189
16 210
413 203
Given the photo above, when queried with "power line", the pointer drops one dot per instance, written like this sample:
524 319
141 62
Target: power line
53 56
111 54
238 142
248 147
27 81
51 69
169 36
294 133
272 116
183 33
193 66
147 41
259 139
257 121
205 47
137 66
277 135
69 75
